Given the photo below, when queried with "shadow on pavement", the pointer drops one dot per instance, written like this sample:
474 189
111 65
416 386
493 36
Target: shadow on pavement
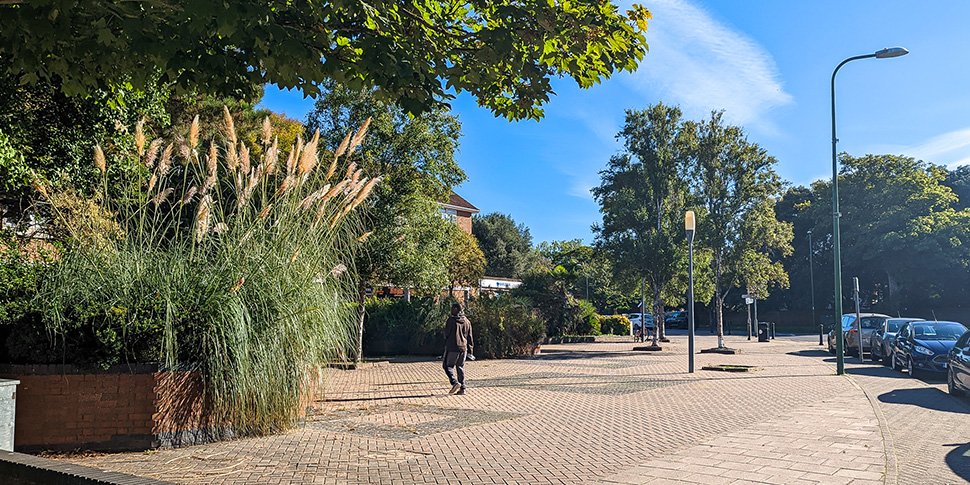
578 354
876 370
959 461
811 353
926 397
379 398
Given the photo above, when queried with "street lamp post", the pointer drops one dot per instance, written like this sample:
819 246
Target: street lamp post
811 275
880 54
689 226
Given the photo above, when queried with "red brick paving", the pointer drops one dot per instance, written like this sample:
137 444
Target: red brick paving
600 412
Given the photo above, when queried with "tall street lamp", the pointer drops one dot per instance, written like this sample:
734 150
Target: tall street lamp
689 226
880 54
811 275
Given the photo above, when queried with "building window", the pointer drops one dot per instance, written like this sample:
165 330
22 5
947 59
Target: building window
449 215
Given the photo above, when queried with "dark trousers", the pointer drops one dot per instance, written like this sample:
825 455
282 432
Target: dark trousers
454 360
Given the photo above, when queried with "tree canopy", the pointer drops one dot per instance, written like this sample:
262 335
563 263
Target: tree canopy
507 246
417 53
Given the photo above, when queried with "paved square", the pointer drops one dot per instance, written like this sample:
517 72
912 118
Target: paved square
602 413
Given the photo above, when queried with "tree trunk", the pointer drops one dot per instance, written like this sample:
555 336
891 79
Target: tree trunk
361 309
658 309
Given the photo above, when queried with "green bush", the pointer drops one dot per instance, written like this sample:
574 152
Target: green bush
505 327
586 320
615 325
501 326
394 326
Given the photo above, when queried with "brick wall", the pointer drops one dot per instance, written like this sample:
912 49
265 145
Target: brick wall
464 220
125 408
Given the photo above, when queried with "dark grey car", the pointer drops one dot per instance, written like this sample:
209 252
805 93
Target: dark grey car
881 343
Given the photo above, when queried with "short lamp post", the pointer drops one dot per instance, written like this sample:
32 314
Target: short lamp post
689 226
886 53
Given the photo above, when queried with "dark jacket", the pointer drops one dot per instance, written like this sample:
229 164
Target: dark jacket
458 334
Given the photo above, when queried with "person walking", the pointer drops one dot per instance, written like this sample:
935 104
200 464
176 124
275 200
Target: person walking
459 345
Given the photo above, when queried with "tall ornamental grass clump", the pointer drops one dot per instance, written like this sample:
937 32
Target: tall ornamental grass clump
235 266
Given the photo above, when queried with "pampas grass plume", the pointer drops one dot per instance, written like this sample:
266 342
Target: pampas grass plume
194 132
99 160
140 136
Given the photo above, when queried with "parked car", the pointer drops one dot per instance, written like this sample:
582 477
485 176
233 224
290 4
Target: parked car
636 318
881 339
958 367
924 346
850 333
675 319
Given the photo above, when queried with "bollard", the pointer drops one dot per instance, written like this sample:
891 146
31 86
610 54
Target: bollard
772 330
820 331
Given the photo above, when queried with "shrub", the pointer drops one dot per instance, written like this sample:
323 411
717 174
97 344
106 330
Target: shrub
586 320
615 325
394 326
236 267
505 327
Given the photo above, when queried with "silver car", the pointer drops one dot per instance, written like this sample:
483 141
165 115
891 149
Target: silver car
870 323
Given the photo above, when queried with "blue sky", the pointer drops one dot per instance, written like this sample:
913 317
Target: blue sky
767 64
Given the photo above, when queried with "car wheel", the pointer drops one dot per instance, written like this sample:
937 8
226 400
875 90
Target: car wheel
831 348
892 361
910 369
951 386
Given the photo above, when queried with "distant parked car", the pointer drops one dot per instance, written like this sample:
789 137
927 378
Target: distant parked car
850 333
924 346
636 319
881 339
675 319
958 367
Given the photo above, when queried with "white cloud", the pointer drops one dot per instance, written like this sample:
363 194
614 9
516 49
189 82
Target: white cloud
950 149
703 65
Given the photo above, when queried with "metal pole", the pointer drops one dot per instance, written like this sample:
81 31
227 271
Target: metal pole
811 273
858 318
755 311
839 358
690 302
749 321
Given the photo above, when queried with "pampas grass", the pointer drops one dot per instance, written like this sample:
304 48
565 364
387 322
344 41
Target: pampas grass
247 287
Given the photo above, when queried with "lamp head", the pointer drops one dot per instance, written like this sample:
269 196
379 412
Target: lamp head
689 221
888 52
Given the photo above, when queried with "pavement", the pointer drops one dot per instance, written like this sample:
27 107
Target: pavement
602 413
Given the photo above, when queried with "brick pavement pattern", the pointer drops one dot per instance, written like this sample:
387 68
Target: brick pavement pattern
602 413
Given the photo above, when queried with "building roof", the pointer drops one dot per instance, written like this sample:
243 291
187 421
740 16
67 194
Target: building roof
456 202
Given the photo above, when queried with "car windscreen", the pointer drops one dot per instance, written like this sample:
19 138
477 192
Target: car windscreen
893 325
945 331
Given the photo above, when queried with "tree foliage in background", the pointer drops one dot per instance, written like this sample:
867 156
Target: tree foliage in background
641 199
466 265
734 184
904 232
507 246
54 135
591 270
408 242
503 53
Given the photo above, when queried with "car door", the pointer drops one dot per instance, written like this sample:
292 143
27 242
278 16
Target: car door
877 340
903 344
960 362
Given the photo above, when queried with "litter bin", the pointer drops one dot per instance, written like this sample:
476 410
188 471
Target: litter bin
763 332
